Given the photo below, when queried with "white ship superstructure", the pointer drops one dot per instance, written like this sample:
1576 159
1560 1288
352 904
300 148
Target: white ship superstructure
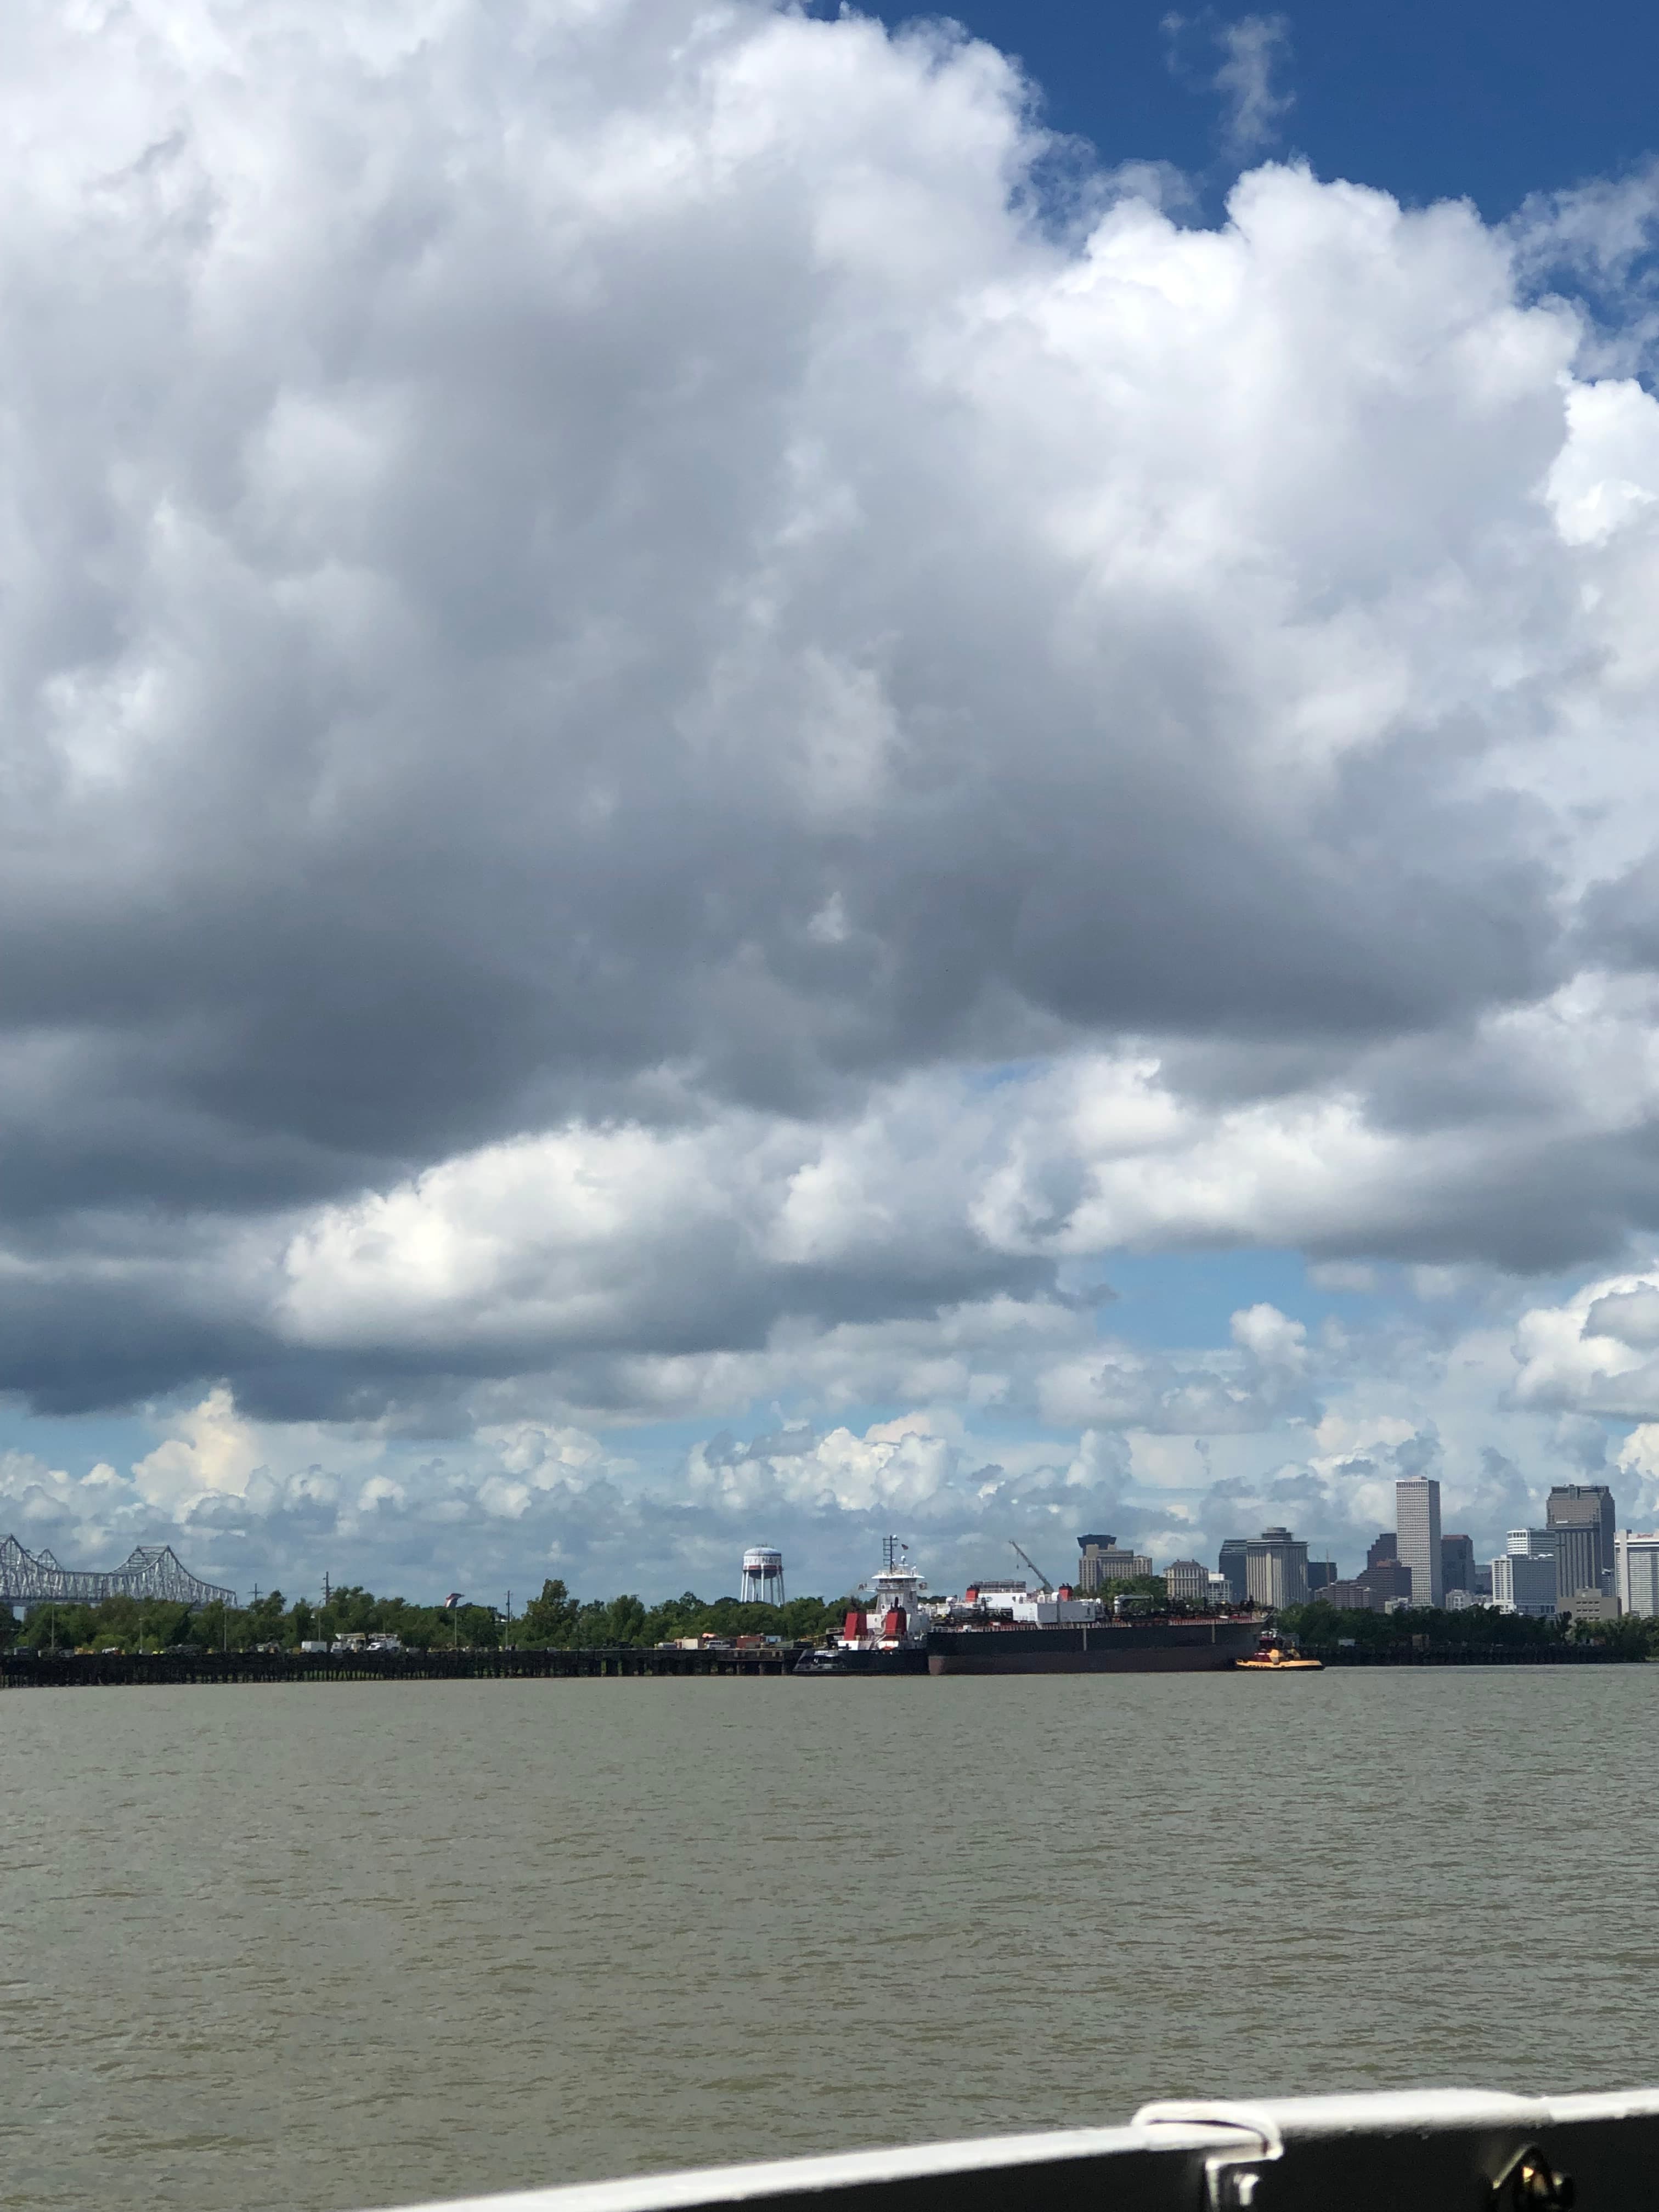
885 1627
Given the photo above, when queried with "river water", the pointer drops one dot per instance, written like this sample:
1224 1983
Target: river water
344 1945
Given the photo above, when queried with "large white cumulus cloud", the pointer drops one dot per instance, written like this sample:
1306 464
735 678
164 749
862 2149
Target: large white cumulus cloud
644 708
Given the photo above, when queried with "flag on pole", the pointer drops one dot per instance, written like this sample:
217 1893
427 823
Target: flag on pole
451 1600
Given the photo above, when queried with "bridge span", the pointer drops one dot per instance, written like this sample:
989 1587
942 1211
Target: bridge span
153 1571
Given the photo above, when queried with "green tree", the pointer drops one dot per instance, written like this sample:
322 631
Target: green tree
1138 1586
549 1619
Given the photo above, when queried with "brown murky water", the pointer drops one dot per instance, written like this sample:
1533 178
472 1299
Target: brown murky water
298 1950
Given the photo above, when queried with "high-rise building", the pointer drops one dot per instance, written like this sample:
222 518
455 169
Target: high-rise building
1457 1563
1636 1572
1187 1580
1101 1560
1276 1569
1387 1547
1417 1519
1524 1582
1582 1516
1232 1563
1348 1597
1388 1582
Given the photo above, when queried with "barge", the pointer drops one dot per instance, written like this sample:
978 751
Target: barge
1103 1647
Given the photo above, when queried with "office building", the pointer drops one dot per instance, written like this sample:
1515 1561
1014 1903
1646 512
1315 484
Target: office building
1636 1572
1187 1580
1417 1525
1589 1605
1232 1563
1524 1582
1219 1593
1319 1573
1388 1580
1459 1601
1276 1569
1101 1560
1580 1516
1386 1547
1347 1596
1456 1563
1530 1543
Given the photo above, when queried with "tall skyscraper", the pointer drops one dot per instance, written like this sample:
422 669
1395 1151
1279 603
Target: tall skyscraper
1457 1562
1417 1524
1276 1569
1581 1514
1386 1547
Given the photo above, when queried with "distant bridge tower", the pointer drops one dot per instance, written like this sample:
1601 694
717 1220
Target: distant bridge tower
762 1575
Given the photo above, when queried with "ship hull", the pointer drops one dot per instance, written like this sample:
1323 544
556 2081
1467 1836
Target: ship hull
1175 1647
909 1659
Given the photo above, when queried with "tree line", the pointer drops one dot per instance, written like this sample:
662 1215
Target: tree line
1318 1627
552 1618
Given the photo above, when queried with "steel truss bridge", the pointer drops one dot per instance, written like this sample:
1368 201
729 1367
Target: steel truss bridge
153 1571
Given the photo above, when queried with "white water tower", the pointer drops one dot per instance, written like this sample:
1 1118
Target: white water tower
762 1575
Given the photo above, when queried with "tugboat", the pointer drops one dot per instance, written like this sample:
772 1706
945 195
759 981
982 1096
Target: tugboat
883 1633
1270 1657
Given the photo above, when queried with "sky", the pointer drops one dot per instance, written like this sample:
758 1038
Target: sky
772 775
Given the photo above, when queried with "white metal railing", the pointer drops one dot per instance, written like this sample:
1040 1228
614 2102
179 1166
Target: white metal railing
1465 2150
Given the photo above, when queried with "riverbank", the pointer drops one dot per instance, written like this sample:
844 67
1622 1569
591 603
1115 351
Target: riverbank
115 1670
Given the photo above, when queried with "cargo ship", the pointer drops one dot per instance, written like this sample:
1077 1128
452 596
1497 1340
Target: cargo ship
1004 1628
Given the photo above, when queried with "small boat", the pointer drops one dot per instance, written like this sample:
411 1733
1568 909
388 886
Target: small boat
1274 1659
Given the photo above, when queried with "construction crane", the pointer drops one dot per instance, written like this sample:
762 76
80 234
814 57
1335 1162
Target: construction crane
1048 1587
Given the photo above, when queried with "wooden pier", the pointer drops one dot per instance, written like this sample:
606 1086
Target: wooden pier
107 1670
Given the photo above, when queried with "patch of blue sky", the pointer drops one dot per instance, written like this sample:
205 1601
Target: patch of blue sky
1000 1074
76 1443
1428 99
